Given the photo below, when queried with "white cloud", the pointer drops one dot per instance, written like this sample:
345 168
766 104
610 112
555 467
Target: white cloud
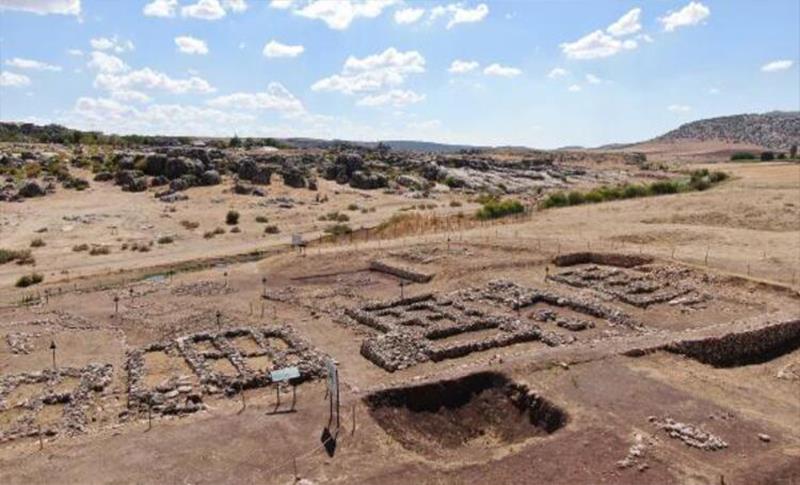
276 49
646 38
499 70
75 52
204 9
43 7
106 63
461 67
557 72
113 43
374 72
161 8
281 4
339 14
236 5
9 79
396 97
111 115
130 96
679 108
713 91
692 14
778 65
592 79
458 14
148 78
627 24
31 64
574 88
596 45
191 45
408 15
276 98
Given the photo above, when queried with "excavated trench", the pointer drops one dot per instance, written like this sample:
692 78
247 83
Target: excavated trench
744 348
483 410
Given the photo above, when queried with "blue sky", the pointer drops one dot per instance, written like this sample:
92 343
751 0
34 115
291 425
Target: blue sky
536 73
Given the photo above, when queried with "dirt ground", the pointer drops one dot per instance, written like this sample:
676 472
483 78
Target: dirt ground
735 246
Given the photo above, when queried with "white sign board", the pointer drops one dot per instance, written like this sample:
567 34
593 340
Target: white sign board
284 374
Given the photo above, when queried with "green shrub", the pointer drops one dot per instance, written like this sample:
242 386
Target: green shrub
632 191
84 247
37 243
99 250
352 207
455 203
271 229
767 156
166 240
190 224
663 187
28 280
575 198
232 218
262 219
338 229
556 199
22 256
500 208
743 156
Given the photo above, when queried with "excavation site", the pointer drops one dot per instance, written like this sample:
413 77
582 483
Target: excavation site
393 242
483 410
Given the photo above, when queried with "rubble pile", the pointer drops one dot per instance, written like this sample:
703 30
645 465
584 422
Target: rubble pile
690 435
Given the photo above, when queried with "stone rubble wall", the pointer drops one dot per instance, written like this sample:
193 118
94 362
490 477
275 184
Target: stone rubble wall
77 402
177 395
401 272
412 330
605 259
740 348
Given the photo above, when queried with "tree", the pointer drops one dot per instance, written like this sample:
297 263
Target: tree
793 151
235 142
767 156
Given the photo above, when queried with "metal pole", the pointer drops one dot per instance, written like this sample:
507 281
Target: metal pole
337 400
294 395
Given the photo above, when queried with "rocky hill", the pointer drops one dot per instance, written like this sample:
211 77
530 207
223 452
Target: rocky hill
777 130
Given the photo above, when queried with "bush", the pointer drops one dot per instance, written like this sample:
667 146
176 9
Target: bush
455 203
190 224
99 250
352 207
632 191
28 280
338 229
557 199
262 219
83 247
501 208
232 218
22 256
743 156
236 230
37 243
271 229
575 198
166 240
767 156
664 187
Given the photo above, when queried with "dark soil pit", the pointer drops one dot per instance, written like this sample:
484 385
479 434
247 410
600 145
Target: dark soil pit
481 411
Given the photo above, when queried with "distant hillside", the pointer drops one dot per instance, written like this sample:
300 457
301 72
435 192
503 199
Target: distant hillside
777 130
